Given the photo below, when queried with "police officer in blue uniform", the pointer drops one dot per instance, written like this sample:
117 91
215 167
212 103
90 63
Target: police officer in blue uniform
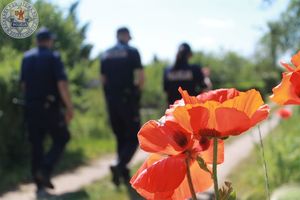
122 77
48 106
182 74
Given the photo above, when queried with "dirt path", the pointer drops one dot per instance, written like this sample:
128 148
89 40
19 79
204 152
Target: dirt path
72 181
235 152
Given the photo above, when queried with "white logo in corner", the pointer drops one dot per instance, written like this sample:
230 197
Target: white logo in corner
19 19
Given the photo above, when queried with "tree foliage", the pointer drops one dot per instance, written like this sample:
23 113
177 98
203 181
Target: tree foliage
283 34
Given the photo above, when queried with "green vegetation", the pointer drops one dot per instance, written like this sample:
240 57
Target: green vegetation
91 134
282 156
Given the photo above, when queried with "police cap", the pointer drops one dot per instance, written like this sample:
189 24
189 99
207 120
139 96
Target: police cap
122 30
44 34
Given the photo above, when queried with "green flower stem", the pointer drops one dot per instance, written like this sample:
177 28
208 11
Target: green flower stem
189 179
262 149
215 176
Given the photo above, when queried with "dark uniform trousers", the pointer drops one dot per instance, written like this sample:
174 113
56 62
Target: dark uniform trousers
125 121
41 121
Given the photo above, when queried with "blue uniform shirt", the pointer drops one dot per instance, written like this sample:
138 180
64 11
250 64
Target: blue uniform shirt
189 77
118 65
40 71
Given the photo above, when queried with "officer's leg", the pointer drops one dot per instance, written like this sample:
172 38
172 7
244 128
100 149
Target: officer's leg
36 138
131 118
117 125
60 136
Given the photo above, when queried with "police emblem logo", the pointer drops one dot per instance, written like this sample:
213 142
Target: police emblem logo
19 19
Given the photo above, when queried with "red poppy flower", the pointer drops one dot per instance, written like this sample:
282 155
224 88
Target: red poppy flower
163 174
284 113
288 91
231 112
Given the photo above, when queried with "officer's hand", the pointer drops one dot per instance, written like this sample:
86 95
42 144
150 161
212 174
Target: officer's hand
69 115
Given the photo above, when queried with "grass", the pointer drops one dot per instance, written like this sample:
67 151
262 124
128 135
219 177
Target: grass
78 152
283 161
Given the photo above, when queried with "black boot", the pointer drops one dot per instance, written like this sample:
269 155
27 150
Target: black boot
43 179
126 175
116 175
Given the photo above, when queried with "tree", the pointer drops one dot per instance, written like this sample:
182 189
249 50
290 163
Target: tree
70 35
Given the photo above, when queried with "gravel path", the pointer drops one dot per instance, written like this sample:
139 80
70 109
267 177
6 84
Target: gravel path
235 152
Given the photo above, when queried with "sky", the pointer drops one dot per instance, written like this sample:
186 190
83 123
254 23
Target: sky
159 26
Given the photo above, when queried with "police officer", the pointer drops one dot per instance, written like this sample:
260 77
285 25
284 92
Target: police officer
45 86
122 77
182 74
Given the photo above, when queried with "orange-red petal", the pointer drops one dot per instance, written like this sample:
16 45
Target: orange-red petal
159 180
284 113
231 121
284 93
295 80
287 66
247 102
207 155
168 138
181 116
201 181
261 114
219 95
296 59
198 118
187 98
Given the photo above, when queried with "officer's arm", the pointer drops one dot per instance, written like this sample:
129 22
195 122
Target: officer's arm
206 79
138 70
103 79
140 78
64 91
63 87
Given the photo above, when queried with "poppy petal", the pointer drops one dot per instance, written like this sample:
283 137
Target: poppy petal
193 118
295 80
219 95
154 157
284 93
181 116
186 97
207 155
201 181
162 138
161 177
261 114
284 113
296 59
287 66
247 102
151 196
231 121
